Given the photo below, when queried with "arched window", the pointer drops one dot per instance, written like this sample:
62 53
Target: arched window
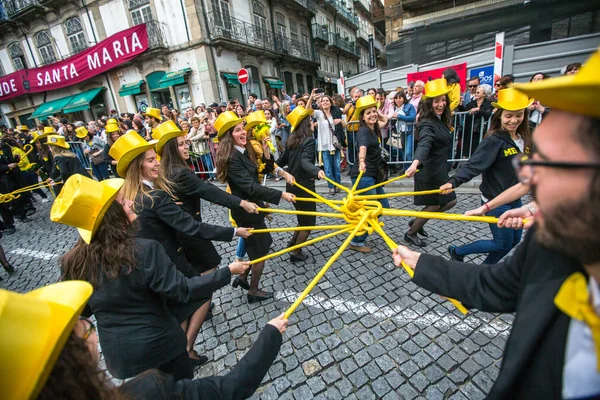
260 17
305 36
18 57
221 15
293 30
140 11
281 28
75 34
43 42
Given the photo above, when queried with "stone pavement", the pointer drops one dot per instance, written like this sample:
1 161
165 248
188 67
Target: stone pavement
365 332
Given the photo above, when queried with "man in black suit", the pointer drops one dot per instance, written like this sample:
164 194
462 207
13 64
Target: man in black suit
11 180
552 280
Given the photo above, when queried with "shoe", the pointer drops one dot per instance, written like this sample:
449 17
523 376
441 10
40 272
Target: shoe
453 255
25 220
421 231
196 362
337 189
238 282
361 249
253 298
298 257
209 315
9 268
45 200
30 212
417 241
332 191
9 231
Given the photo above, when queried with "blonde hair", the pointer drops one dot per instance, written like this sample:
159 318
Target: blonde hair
134 185
58 151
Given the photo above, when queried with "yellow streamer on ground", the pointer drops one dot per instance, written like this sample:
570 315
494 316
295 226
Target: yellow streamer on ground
302 228
295 212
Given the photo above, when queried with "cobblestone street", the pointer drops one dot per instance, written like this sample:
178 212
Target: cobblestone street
365 332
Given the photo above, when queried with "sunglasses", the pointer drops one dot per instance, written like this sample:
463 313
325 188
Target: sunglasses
472 86
91 328
496 84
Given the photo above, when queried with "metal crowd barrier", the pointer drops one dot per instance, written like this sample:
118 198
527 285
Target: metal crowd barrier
78 148
202 157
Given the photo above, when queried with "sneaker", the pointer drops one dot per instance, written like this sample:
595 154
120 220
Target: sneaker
453 255
30 212
360 249
45 200
9 231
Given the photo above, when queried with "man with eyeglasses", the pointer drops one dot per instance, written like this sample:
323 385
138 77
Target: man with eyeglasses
552 280
472 89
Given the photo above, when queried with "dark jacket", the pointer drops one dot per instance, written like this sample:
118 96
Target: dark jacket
238 384
525 283
65 167
242 177
136 330
162 220
301 162
10 179
493 159
435 141
108 161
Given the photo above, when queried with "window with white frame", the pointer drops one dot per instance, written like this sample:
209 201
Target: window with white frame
281 27
305 36
140 11
221 13
43 42
2 70
259 15
75 34
18 57
294 30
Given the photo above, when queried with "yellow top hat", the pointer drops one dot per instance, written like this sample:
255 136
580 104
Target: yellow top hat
363 103
49 130
58 140
127 148
81 132
253 119
165 132
23 128
112 127
296 116
512 100
435 88
34 328
112 121
225 122
152 112
37 136
82 203
577 93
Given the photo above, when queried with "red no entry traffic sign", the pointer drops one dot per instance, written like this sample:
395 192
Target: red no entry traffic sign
243 76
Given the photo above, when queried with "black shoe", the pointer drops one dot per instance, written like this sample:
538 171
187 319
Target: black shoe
196 362
298 257
238 282
209 315
9 268
453 255
30 212
421 231
337 189
417 241
25 220
9 231
252 297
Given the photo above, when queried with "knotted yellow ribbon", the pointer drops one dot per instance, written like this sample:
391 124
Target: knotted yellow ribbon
573 299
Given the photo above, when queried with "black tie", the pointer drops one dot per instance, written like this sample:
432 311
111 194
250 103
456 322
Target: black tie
246 153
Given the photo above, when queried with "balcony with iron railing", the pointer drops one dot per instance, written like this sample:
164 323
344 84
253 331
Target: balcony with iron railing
156 35
364 5
344 44
308 5
19 8
344 12
320 33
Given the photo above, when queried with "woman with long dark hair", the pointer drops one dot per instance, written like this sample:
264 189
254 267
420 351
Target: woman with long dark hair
131 281
508 137
237 166
299 156
435 142
453 82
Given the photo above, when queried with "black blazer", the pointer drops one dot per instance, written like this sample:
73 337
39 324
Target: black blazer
136 330
474 122
65 167
525 283
162 220
433 149
242 177
301 162
238 384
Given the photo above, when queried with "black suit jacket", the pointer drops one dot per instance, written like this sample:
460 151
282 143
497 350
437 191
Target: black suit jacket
136 330
65 167
433 149
525 283
238 384
242 177
301 162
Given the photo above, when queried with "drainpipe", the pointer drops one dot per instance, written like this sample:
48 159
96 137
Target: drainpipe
187 32
213 56
28 45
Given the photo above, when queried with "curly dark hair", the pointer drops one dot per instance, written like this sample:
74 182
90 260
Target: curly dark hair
225 152
427 111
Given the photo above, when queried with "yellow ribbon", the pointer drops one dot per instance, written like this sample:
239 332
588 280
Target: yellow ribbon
573 299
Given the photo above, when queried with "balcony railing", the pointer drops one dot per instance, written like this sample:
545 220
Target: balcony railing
156 34
344 11
48 61
308 4
320 32
14 7
344 44
223 27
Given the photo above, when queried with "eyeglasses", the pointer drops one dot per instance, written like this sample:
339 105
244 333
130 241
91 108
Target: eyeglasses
524 166
91 328
496 84
473 86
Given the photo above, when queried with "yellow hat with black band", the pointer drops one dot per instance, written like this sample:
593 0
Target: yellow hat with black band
225 122
435 88
576 93
165 132
363 103
126 148
81 132
34 328
37 136
82 203
297 115
512 100
255 118
153 113
49 130
22 128
58 140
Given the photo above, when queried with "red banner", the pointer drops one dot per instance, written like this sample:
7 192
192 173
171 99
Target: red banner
112 51
461 70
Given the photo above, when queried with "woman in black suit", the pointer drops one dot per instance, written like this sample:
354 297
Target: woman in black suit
299 155
435 141
480 109
236 165
132 283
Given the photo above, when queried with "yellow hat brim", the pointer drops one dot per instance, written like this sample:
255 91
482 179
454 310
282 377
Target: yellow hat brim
227 126
66 146
39 137
111 190
512 106
436 94
80 136
111 131
300 118
129 156
250 125
165 138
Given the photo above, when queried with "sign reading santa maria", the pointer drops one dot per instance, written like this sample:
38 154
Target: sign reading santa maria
109 53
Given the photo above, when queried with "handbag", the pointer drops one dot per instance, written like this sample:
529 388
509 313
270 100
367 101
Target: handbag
383 170
98 159
334 139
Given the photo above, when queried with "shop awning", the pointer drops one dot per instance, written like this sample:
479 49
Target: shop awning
274 83
130 89
231 79
153 80
82 101
173 78
51 107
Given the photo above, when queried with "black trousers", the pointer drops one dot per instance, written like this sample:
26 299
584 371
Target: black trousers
180 367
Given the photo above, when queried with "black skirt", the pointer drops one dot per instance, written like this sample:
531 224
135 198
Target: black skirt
200 253
183 311
256 245
431 199
304 220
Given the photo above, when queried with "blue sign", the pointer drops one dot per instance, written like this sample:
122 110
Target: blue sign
485 74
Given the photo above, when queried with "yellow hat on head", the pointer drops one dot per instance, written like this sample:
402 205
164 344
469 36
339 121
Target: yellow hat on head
82 203
152 112
34 328
435 88
111 127
577 93
37 136
58 140
81 132
22 128
49 130
127 148
225 122
296 116
363 103
165 132
253 119
512 100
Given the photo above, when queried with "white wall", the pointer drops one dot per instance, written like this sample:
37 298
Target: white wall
25 48
114 16
242 10
169 12
6 62
60 42
89 28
